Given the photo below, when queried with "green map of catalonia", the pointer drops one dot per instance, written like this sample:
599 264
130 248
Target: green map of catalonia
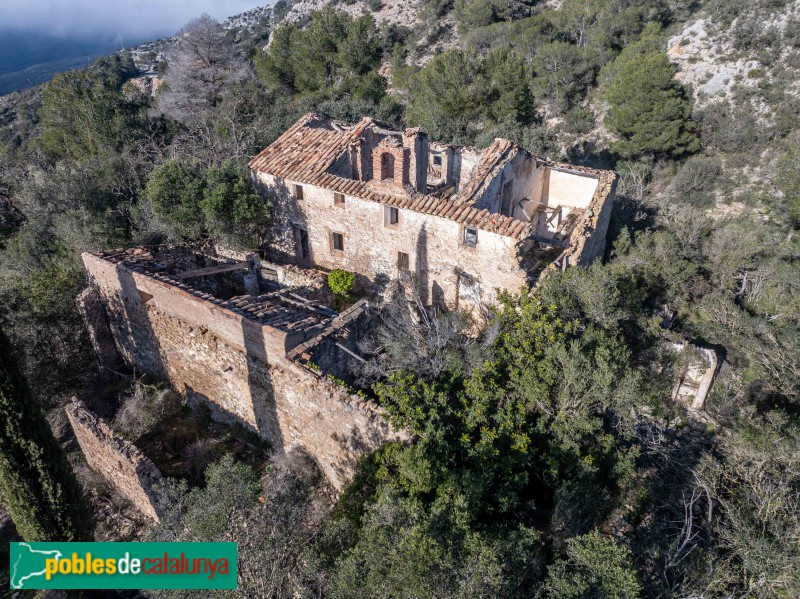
30 563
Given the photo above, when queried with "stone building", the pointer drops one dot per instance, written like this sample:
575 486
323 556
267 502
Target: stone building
379 202
254 340
229 336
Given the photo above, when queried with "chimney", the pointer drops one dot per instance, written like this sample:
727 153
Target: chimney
415 141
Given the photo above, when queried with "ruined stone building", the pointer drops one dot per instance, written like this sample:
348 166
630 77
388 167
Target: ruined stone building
377 202
229 335
255 340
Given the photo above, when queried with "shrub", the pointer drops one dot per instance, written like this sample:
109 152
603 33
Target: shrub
144 408
696 180
595 566
578 121
788 181
341 282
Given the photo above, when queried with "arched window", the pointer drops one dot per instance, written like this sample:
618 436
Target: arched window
387 166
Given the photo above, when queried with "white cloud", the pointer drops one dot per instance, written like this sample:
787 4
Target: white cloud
125 18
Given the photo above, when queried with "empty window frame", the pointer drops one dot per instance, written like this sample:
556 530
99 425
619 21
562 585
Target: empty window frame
469 288
387 167
391 216
437 161
337 242
302 248
338 200
403 261
470 237
297 192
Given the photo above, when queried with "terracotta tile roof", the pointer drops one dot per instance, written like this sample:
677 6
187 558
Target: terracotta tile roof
307 150
281 309
492 158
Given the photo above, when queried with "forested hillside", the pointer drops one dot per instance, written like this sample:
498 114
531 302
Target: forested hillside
548 458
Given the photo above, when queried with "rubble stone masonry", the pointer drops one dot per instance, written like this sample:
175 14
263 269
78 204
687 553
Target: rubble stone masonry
434 246
237 367
121 463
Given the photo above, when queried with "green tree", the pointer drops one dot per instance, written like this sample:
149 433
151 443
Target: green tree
327 58
175 191
408 550
532 409
459 93
594 567
232 208
36 482
564 71
276 65
648 107
471 14
83 114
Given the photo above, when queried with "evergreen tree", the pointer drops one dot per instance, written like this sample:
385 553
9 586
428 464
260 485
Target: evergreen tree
36 483
648 107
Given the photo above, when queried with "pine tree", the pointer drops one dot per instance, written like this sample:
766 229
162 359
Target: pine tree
648 107
37 485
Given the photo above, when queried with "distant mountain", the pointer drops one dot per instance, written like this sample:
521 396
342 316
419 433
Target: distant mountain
28 59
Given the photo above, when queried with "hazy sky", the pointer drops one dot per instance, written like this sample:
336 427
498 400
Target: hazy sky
127 18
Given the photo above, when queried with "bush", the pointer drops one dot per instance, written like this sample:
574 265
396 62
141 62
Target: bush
595 567
578 121
696 180
788 181
729 128
341 282
144 408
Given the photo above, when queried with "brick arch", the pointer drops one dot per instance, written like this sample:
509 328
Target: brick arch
388 165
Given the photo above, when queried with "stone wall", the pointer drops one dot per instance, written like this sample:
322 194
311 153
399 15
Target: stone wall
437 254
588 238
119 462
238 368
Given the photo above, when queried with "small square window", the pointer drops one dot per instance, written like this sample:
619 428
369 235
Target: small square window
297 192
337 242
437 161
391 216
470 237
338 200
403 262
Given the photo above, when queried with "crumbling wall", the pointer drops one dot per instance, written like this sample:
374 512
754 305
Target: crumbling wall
244 377
588 238
118 461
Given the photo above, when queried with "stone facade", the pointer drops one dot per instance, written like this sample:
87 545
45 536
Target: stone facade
237 366
119 462
466 222
436 254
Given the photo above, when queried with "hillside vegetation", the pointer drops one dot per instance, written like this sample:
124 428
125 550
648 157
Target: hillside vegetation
548 458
